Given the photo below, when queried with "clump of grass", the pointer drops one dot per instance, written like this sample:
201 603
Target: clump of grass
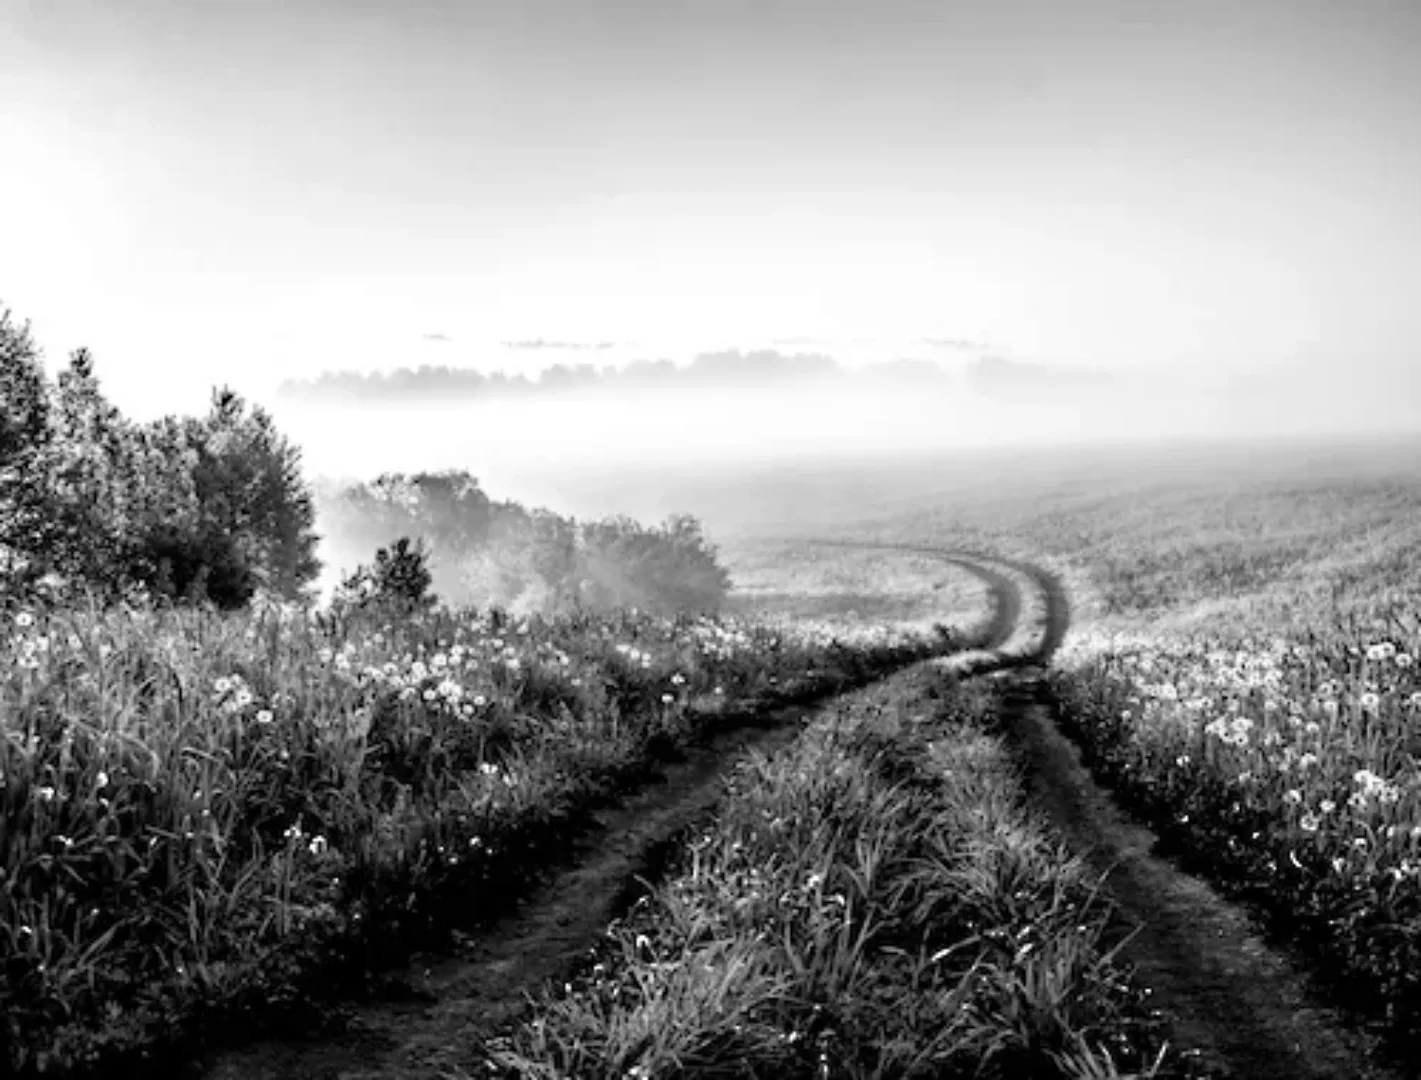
873 901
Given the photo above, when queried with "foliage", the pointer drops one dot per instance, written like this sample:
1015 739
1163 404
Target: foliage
206 509
398 583
501 553
872 900
215 814
1286 770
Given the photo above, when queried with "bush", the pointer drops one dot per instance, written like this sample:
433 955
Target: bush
398 582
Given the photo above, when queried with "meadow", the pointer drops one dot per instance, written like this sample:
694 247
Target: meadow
207 816
874 900
1242 671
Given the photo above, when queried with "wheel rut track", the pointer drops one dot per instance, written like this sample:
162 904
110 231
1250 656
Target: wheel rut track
457 998
1243 1011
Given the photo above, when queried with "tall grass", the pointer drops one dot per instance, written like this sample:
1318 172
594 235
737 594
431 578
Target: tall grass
1288 770
201 813
873 901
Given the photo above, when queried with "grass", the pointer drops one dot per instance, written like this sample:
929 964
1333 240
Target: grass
204 819
846 589
1243 671
1286 771
875 901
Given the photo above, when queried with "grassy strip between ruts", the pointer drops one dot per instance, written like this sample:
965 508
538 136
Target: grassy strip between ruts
874 900
175 864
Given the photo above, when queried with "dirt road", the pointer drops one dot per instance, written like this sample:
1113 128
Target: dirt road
450 1002
1241 1007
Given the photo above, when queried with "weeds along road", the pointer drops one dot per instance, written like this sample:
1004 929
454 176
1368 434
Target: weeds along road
449 1003
1242 1008
1238 1006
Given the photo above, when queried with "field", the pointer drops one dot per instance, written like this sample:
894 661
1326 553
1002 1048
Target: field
1242 673
849 865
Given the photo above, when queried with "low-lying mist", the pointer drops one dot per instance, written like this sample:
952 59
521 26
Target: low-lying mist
754 459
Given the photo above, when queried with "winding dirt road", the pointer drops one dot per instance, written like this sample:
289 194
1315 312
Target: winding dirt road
452 1002
1242 1008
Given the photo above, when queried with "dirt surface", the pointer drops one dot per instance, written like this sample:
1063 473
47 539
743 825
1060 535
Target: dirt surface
451 1002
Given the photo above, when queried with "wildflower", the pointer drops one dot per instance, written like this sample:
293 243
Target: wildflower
44 794
101 781
1293 797
24 620
318 845
1369 701
1307 761
1357 800
1327 806
1403 660
667 699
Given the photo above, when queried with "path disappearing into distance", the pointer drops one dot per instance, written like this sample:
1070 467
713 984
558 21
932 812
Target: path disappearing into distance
1242 1009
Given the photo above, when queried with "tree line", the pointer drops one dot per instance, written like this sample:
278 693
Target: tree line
215 509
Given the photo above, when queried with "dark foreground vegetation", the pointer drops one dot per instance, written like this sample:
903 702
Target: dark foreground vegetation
217 798
875 901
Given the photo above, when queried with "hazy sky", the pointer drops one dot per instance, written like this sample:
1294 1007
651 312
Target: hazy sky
244 191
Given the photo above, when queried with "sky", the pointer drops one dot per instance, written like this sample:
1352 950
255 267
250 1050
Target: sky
243 192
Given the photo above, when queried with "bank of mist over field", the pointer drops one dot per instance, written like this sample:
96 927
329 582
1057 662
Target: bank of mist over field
744 438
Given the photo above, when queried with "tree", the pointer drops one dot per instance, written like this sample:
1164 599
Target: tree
398 582
24 435
249 488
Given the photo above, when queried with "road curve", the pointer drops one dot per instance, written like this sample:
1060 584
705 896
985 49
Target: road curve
1243 1009
479 986
1005 593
